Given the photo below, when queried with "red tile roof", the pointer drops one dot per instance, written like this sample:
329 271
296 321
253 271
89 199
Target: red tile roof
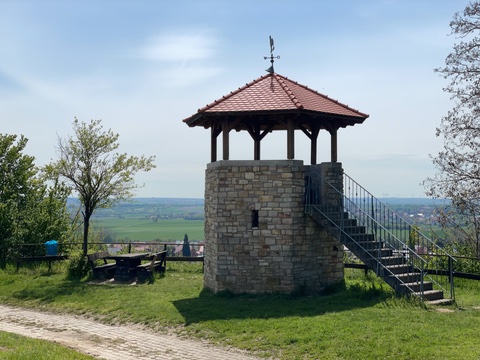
274 93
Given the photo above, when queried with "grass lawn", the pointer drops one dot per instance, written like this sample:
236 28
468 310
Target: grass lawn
361 320
15 347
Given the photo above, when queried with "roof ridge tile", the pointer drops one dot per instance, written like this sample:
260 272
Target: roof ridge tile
289 92
327 97
225 97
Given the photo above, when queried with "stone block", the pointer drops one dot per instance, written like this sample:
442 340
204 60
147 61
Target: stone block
265 198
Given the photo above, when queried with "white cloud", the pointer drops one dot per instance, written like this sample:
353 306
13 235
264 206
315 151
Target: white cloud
180 59
179 47
186 76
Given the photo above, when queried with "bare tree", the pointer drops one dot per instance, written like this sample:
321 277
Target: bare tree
458 164
89 164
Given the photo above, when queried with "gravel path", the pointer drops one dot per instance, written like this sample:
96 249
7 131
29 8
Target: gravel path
109 341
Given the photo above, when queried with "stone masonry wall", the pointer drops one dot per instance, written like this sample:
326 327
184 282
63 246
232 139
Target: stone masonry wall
258 238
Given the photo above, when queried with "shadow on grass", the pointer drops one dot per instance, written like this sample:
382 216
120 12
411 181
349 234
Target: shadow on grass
225 305
47 292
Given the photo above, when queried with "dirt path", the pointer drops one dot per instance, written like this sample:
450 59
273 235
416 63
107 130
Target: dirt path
107 341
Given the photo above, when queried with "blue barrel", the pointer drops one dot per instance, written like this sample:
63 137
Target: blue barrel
51 247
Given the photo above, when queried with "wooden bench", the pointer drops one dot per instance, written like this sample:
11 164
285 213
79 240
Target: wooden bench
157 263
105 270
48 258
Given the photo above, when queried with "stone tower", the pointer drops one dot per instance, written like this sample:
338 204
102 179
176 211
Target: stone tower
258 238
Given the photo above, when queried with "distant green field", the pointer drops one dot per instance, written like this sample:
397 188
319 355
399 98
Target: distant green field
148 230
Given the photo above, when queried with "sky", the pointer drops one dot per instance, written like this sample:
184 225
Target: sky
143 66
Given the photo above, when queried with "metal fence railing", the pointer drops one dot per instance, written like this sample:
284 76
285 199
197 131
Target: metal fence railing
174 249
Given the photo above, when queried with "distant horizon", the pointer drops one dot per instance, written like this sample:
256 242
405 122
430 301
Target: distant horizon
416 199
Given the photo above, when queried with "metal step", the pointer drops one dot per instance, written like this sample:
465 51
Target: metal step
393 260
350 226
440 302
368 245
400 269
341 219
334 215
378 253
430 295
359 237
407 277
415 286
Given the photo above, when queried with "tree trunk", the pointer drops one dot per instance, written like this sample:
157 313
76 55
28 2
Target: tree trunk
3 258
86 225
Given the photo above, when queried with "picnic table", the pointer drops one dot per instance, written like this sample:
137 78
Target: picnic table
126 265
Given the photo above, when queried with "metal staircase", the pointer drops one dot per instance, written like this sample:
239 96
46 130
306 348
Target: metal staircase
390 246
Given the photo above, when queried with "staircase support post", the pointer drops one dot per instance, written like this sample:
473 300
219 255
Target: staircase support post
422 273
450 277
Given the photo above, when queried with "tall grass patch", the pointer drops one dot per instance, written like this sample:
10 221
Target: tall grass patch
15 347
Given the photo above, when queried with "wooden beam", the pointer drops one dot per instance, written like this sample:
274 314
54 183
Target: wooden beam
257 135
305 131
266 131
234 123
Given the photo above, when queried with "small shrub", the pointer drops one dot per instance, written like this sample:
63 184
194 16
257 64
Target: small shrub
334 288
77 267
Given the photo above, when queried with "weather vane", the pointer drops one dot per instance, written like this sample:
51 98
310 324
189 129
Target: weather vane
271 57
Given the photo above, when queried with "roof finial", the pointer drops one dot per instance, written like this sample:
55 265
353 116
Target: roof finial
272 58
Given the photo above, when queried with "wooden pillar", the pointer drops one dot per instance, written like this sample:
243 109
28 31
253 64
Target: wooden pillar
313 148
333 134
216 129
256 142
213 144
313 152
256 150
226 143
290 139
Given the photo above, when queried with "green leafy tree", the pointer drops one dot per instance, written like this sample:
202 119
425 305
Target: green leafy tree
458 164
30 211
89 165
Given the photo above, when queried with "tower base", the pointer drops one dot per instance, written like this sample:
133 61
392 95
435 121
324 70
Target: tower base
258 238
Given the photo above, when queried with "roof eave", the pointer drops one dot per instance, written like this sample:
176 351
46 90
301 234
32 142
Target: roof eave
200 117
